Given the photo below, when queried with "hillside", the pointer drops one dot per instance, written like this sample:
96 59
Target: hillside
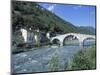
87 30
31 15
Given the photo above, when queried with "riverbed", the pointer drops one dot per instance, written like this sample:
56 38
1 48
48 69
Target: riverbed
38 60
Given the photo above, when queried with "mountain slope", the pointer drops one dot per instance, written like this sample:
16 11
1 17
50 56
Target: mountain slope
31 15
87 30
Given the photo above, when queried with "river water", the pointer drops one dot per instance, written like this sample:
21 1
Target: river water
38 60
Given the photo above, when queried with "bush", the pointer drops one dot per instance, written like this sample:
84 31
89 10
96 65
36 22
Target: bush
84 60
54 64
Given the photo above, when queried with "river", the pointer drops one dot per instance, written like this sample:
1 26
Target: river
37 60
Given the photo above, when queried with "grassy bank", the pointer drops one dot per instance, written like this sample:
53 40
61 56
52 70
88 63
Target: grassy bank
84 60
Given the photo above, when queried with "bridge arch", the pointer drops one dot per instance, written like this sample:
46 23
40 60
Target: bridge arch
56 41
62 38
87 38
70 37
80 37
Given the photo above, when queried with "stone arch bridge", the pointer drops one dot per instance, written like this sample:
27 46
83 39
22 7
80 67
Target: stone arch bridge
81 38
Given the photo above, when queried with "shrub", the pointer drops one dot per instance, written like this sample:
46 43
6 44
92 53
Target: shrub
54 64
84 60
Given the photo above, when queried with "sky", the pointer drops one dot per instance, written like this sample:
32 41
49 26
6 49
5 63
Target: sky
79 15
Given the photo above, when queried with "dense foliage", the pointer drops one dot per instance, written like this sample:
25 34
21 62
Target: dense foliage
84 59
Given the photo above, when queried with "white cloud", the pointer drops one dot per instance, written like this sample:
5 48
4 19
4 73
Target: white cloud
52 7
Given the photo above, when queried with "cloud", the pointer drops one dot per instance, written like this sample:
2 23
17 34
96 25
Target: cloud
51 7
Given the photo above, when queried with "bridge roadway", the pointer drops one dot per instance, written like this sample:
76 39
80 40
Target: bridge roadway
81 38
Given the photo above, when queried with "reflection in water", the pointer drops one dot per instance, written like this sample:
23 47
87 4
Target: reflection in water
89 42
86 43
71 43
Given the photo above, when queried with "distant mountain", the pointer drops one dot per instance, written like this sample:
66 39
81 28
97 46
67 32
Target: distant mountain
87 30
32 15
